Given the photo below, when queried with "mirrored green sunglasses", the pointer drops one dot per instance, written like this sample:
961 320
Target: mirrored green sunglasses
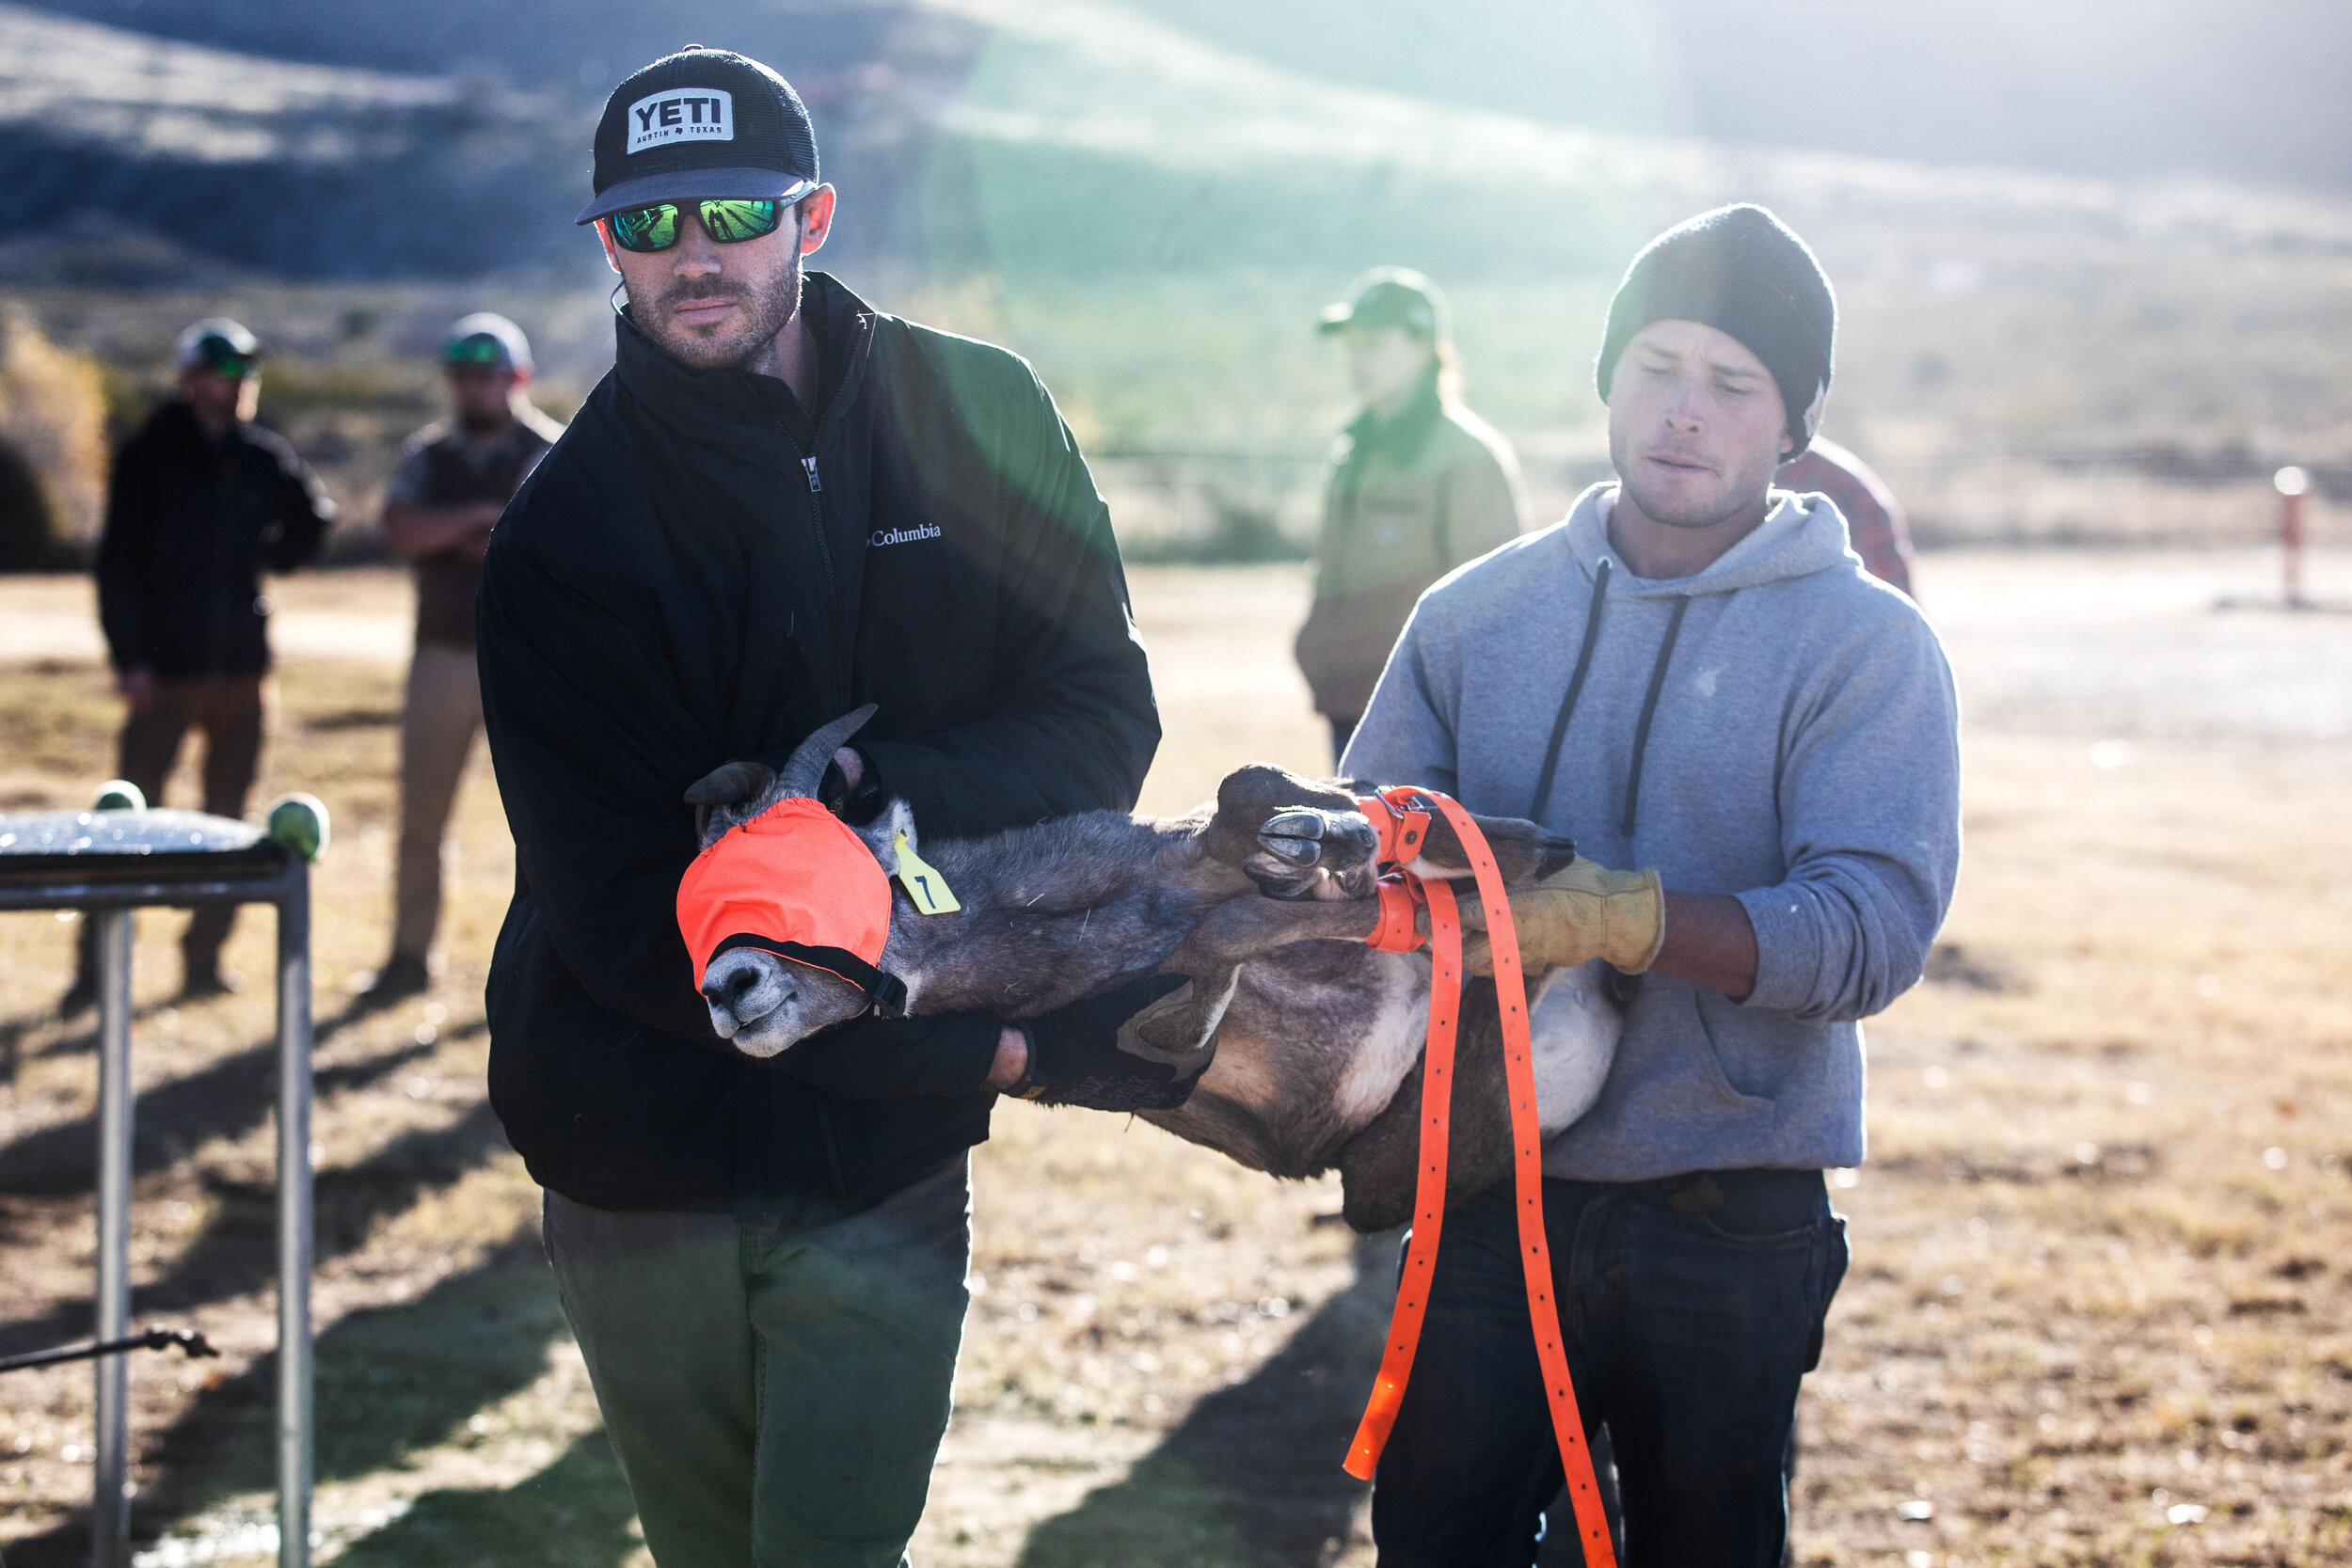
656 227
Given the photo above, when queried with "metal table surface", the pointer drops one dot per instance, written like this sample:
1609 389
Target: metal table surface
109 864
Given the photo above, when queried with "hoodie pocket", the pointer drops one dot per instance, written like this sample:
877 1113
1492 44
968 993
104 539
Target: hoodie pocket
1708 1056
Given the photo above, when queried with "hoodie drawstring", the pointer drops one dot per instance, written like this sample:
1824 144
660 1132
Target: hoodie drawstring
1576 687
1650 711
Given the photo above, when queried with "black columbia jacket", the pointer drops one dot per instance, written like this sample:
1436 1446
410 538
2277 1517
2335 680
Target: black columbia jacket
682 581
191 524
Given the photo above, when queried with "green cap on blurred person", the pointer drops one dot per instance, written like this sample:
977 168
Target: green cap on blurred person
221 346
486 338
1391 296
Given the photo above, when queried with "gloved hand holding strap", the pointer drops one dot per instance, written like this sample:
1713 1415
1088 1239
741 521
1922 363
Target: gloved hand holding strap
1581 913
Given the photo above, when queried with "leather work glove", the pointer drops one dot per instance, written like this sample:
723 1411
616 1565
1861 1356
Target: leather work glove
1575 915
1088 1053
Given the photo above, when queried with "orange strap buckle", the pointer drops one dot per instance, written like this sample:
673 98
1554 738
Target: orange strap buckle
1400 815
1420 1256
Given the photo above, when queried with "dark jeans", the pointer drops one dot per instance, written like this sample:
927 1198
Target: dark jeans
1691 1309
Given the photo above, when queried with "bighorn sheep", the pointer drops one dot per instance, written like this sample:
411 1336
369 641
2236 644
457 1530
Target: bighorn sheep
1264 900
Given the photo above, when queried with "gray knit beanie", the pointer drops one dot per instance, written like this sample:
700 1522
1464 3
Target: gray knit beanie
1742 271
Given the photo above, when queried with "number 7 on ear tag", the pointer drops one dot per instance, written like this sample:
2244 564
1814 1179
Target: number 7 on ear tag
925 886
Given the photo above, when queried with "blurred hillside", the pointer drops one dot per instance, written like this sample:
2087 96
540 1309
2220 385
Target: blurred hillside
2119 88
415 149
1151 200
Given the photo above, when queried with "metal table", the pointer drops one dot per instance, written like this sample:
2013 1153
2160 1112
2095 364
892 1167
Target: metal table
110 862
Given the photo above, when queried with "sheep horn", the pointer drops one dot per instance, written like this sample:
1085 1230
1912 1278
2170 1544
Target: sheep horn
731 785
805 768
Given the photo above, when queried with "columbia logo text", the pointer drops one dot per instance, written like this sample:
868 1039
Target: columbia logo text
694 113
903 535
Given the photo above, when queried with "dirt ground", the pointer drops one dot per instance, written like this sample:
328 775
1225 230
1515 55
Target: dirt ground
2099 1310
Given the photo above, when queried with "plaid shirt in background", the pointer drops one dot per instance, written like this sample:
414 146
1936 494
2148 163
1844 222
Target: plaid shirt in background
1874 518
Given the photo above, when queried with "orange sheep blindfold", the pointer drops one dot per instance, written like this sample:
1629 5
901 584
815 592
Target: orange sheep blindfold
794 881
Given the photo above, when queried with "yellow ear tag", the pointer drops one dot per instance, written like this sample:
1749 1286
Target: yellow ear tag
925 886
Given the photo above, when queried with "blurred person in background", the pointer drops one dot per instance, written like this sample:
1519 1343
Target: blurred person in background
1875 525
1419 485
454 478
1691 674
202 501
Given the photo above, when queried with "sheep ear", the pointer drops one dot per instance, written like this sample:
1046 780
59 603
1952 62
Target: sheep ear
883 833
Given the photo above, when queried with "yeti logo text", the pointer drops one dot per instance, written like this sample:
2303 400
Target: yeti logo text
691 113
903 535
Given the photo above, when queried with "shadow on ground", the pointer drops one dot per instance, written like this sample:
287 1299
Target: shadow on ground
1253 1478
1253 1475
226 1099
236 1252
391 1382
576 1512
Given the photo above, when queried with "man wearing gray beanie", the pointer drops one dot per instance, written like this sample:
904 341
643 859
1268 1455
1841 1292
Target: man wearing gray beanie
1693 676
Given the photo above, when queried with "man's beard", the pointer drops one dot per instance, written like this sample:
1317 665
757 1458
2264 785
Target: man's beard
1660 505
766 312
481 426
1736 496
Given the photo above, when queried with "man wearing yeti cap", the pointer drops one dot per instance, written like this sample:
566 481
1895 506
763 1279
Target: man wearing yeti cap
1693 676
781 505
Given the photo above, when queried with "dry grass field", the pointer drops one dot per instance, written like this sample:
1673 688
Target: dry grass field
2100 1305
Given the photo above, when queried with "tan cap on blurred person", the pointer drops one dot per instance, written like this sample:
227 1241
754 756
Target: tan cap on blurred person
1391 296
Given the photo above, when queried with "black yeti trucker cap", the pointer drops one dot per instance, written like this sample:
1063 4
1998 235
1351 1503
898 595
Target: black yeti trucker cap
702 124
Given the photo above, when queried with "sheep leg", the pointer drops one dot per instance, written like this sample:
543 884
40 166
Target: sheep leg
1522 850
1185 1025
1245 928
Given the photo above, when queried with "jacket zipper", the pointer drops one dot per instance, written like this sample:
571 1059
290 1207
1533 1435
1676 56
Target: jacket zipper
824 555
824 561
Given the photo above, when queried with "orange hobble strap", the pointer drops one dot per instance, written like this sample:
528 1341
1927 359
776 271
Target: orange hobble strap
1445 995
1401 817
1420 1252
1401 899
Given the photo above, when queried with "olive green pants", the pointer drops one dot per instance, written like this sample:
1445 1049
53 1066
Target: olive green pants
775 1386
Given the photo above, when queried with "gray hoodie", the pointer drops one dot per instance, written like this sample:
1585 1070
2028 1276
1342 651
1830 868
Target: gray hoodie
1781 727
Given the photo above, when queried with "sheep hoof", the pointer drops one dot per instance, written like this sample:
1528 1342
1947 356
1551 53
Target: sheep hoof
1294 838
